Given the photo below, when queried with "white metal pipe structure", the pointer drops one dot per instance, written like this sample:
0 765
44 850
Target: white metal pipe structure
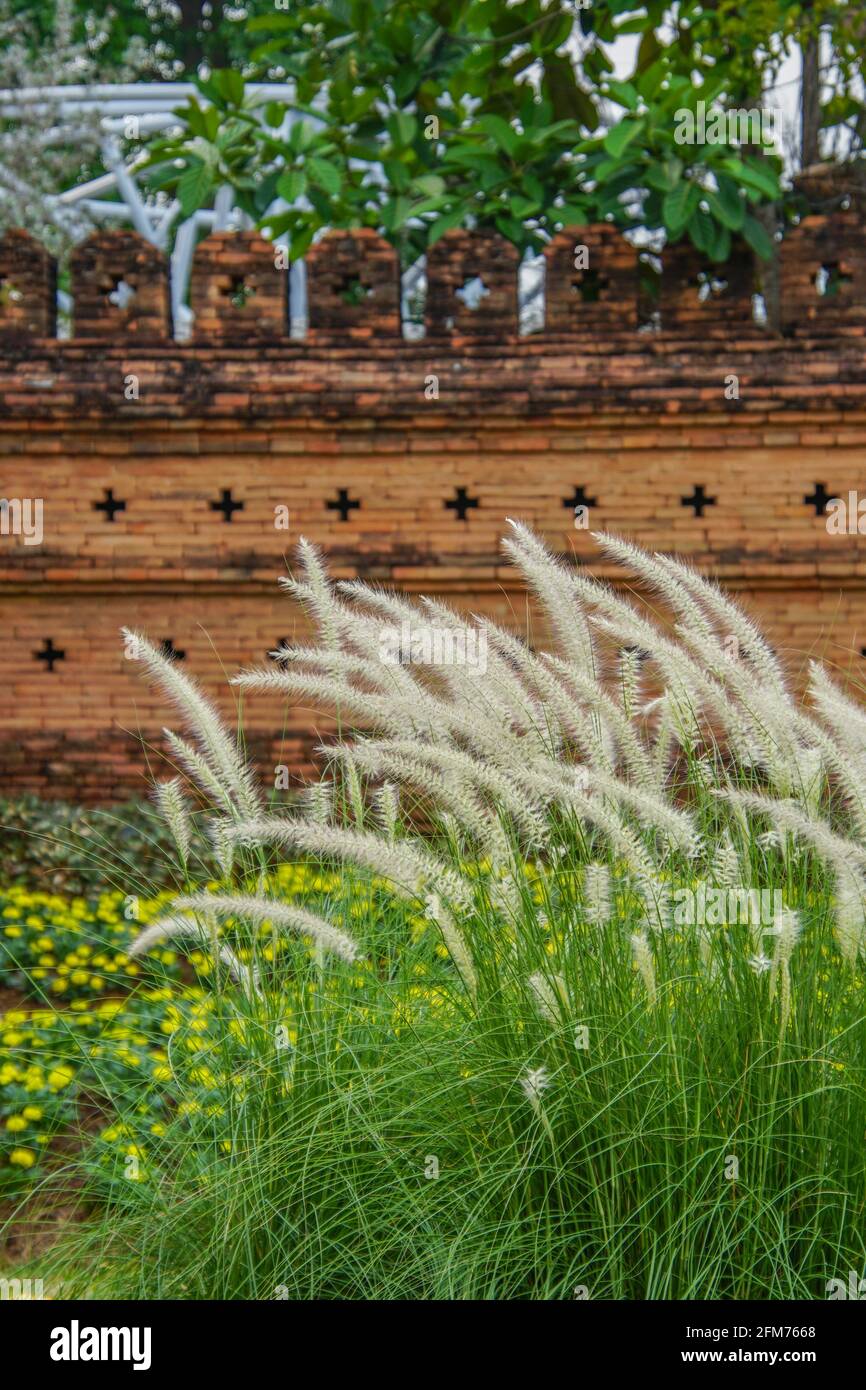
154 105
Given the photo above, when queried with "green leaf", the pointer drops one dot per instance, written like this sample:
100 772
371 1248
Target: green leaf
755 174
501 133
666 175
324 174
431 184
650 49
678 206
292 185
193 188
727 206
624 93
443 224
230 85
395 213
722 244
621 136
275 113
757 237
402 127
702 230
571 215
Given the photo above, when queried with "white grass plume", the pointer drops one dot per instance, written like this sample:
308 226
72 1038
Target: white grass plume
284 916
217 747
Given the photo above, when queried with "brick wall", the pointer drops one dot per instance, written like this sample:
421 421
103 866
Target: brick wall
163 467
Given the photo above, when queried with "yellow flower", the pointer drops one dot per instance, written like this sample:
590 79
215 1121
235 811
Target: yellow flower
16 1122
22 1158
60 1077
32 1112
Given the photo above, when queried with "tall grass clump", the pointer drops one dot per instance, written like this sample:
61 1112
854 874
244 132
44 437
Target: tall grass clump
579 1005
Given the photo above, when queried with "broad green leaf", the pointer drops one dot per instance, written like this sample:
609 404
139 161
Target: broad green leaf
230 85
727 206
702 230
443 224
757 237
679 205
324 174
292 185
193 188
621 136
501 133
755 174
402 127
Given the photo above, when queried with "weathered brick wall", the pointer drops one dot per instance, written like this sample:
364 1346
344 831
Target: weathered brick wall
163 467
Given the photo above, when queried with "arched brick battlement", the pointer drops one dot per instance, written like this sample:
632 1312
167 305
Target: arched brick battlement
119 288
237 290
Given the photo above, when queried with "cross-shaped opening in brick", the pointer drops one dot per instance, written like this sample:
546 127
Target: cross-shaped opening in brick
121 293
590 285
698 501
472 291
832 279
170 651
50 654
239 292
352 290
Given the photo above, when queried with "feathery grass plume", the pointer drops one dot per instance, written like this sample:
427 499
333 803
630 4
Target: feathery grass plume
659 580
615 730
549 580
837 852
172 806
408 865
454 942
850 917
456 773
656 895
318 800
280 915
654 812
729 615
846 764
217 747
454 796
629 681
786 930
550 994
315 592
200 772
387 802
726 863
534 1082
846 720
643 960
171 928
352 789
597 903
223 845
562 711
770 719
